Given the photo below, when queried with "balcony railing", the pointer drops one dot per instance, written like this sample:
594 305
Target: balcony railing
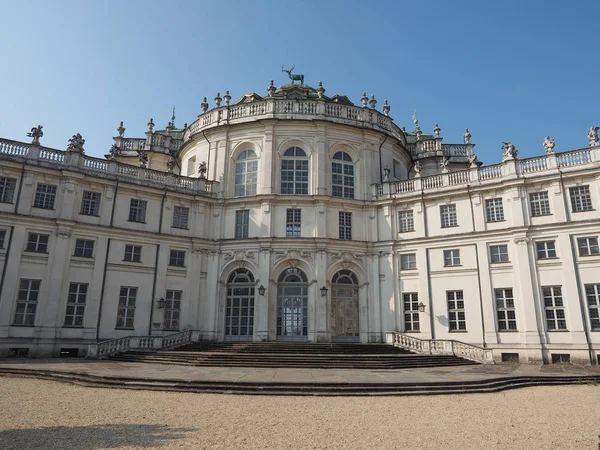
519 168
20 151
299 109
120 345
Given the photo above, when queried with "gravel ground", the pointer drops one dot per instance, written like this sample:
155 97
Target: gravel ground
36 414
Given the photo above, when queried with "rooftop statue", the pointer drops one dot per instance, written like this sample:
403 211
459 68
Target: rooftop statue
295 77
76 144
143 157
36 133
593 136
549 145
509 151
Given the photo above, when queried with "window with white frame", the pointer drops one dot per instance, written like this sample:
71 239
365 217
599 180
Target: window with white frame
448 216
505 309
406 221
294 172
293 220
84 248
411 311
408 261
592 293
126 309
581 199
37 243
539 204
554 308
456 311
172 310
246 174
133 253
588 246
177 258
242 222
342 175
345 225
545 249
2 238
90 203
452 257
45 195
498 253
27 301
137 210
76 304
7 189
494 210
180 217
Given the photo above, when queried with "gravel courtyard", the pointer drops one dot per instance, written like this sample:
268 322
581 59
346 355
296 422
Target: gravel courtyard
48 415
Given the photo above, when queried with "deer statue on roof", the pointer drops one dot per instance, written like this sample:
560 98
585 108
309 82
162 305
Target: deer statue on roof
295 77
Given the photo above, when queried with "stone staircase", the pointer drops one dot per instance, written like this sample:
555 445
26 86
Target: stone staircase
292 355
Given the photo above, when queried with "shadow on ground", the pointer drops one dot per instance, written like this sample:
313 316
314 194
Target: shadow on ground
91 437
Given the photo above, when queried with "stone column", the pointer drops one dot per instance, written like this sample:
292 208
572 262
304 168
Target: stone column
267 161
320 163
11 279
262 311
213 308
321 316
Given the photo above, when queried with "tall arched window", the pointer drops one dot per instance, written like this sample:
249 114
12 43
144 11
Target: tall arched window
239 314
294 172
342 178
292 305
246 168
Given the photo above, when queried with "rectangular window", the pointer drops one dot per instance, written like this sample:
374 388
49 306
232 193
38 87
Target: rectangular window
581 200
242 221
448 216
499 253
45 196
588 246
456 311
133 253
27 301
7 189
592 293
345 225
37 243
539 204
126 310
90 203
494 210
452 257
505 310
411 311
2 238
293 218
406 221
554 307
172 310
545 249
76 304
84 248
180 217
408 261
177 258
137 210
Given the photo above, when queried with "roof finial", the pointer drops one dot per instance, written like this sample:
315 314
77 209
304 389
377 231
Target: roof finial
173 116
416 121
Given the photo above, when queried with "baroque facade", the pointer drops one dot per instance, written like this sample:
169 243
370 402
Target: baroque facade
298 216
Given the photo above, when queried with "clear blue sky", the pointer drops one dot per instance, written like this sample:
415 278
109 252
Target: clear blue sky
509 70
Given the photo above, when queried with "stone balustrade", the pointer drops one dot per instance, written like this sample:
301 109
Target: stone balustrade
31 154
519 168
124 344
294 109
441 347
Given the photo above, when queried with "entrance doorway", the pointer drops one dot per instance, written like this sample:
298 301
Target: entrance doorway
292 305
344 307
239 313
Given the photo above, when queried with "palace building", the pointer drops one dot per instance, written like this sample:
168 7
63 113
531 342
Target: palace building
296 216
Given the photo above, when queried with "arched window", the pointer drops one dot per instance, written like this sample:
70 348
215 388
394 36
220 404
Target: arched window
292 305
246 168
344 277
239 314
294 172
342 178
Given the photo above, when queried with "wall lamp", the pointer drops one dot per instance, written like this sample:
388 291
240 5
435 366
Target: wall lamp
261 290
323 291
161 303
421 307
